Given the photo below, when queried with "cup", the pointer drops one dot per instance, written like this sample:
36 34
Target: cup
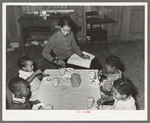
55 82
62 71
92 75
90 101
48 78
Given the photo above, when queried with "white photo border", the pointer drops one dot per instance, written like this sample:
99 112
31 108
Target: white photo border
71 115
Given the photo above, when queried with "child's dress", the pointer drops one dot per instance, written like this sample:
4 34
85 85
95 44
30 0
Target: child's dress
124 105
34 85
107 84
19 103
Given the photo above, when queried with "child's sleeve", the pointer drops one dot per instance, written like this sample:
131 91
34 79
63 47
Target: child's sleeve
23 76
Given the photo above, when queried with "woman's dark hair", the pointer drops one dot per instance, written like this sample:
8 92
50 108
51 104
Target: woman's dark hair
124 86
66 21
23 60
114 61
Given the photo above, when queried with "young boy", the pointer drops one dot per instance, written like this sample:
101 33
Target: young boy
26 72
20 89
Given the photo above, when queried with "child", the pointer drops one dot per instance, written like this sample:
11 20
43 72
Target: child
122 91
113 65
26 72
20 89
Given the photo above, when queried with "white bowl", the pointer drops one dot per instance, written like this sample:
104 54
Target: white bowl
69 69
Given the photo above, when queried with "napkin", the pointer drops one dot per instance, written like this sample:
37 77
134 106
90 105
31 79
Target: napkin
38 106
42 106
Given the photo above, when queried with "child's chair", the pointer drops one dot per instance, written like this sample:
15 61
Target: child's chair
7 103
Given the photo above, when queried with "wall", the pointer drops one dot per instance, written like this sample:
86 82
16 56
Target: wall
136 28
130 20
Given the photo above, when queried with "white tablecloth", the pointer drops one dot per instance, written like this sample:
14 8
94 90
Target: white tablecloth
65 97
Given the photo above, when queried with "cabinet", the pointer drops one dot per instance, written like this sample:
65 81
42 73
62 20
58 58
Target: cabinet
94 30
33 27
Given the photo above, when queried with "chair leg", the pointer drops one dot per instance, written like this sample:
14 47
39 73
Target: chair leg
91 45
86 41
106 43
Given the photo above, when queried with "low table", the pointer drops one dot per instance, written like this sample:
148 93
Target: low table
65 97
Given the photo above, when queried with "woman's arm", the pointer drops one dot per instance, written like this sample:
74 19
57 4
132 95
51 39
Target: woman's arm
47 50
76 48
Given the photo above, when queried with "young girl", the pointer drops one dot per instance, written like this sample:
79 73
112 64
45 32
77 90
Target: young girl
113 65
26 72
122 95
63 45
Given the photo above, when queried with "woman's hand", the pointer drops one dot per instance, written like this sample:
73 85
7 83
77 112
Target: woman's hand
85 56
59 62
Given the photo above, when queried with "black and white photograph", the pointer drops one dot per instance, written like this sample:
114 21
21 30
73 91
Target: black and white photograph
74 61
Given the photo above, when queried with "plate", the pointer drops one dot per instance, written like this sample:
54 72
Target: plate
69 69
48 78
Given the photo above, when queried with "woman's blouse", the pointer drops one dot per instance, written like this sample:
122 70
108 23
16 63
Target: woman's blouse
63 47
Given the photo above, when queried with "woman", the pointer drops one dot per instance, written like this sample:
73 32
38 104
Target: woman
63 45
